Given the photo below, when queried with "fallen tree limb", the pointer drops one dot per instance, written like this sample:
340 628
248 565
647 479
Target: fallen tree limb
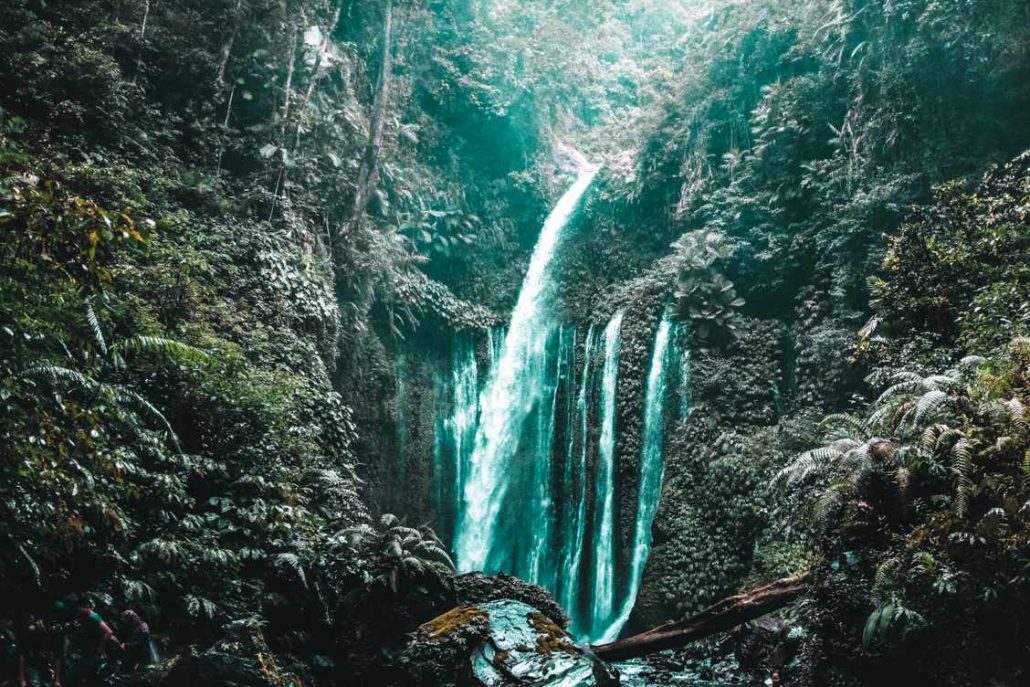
719 617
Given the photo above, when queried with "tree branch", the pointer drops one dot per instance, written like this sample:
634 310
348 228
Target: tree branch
719 617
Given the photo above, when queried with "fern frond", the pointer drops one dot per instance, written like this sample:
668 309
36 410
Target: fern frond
826 507
406 533
432 552
884 575
816 460
947 381
57 373
412 564
133 400
799 468
962 464
880 418
929 405
328 478
902 413
906 387
842 426
293 562
94 325
858 458
947 438
928 439
155 344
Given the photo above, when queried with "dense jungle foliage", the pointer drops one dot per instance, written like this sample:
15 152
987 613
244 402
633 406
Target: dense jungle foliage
237 232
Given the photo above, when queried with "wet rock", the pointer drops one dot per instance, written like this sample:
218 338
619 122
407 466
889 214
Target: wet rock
477 588
501 643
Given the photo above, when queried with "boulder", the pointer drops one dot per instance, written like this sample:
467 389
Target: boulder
502 643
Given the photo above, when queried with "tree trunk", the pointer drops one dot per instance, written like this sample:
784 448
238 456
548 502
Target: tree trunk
719 617
368 173
288 86
316 75
223 63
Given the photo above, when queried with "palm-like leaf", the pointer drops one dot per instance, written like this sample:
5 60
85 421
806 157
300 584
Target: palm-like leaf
430 551
928 405
170 348
842 426
817 460
94 325
57 373
962 464
130 399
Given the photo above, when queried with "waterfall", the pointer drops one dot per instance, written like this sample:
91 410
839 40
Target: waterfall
454 425
517 388
517 461
651 469
537 565
551 482
604 485
576 486
460 427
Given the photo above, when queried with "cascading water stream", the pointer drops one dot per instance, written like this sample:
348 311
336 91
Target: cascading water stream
652 468
454 426
466 393
576 471
604 485
516 389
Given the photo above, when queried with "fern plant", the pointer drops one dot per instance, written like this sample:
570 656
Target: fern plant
937 424
105 363
397 550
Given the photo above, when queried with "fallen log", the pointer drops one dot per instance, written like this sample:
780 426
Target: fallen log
719 617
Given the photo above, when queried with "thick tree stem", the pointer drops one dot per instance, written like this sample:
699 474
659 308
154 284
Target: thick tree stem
368 173
227 47
719 617
288 86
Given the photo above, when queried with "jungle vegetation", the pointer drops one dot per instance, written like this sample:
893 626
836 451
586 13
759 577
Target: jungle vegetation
222 220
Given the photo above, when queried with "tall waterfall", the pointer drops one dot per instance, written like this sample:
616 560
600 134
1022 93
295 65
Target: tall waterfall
604 485
516 390
525 448
652 468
